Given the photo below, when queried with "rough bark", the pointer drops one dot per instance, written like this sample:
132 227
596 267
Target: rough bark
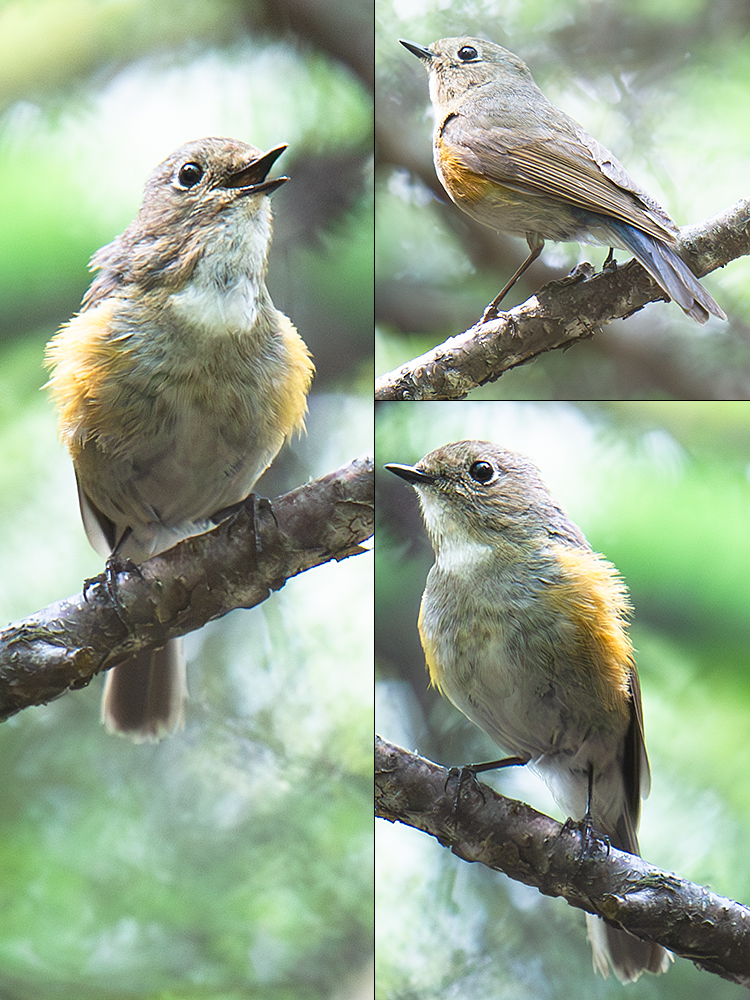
509 836
559 315
236 565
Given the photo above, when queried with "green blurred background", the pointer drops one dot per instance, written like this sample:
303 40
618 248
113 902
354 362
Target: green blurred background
663 490
665 86
235 859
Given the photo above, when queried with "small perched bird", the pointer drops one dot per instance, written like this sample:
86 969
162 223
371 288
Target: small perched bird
524 629
516 163
177 383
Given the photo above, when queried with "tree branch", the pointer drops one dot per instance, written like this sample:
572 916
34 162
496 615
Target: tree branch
560 314
236 565
509 836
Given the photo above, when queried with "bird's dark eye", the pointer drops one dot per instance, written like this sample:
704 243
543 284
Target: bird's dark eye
467 52
189 174
481 472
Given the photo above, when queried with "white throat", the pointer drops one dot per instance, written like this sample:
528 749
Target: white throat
217 309
461 555
222 295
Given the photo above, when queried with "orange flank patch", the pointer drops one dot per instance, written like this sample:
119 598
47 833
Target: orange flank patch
103 383
291 392
460 183
83 358
433 667
594 596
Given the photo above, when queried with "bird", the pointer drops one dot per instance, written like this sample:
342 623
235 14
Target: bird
524 630
515 162
177 383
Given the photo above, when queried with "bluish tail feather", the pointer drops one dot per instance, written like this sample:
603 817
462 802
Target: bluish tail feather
667 269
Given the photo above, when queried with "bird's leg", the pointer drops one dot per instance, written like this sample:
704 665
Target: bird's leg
259 504
114 565
536 245
472 770
588 836
255 504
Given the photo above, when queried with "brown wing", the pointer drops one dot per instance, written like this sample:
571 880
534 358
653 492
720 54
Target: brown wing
642 784
570 165
636 771
100 531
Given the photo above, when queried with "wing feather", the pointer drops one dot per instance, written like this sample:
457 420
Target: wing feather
571 166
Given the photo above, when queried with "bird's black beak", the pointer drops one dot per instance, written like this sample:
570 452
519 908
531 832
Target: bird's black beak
418 50
252 178
411 474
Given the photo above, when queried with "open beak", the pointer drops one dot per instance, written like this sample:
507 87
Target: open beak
252 178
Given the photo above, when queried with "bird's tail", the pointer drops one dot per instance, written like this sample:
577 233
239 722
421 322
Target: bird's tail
144 696
668 270
628 956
